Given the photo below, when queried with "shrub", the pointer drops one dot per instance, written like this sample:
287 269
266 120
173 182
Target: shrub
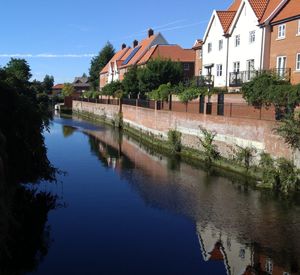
244 156
162 93
174 139
211 152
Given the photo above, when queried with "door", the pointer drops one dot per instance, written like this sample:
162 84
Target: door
281 66
250 69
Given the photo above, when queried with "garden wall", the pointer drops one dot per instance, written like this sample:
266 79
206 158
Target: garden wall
230 131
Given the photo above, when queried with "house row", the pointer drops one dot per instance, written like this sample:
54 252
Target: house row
153 47
80 85
249 37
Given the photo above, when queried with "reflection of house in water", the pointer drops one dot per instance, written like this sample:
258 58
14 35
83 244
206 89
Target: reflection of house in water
219 246
245 231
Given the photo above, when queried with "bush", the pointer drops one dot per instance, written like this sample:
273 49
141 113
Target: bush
211 152
174 139
111 88
162 93
244 156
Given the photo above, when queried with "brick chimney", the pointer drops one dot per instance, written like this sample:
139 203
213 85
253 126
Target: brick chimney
150 32
135 43
123 46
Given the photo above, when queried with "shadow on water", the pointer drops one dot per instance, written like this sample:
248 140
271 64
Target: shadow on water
247 230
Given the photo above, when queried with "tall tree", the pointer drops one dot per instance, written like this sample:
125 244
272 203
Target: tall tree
99 62
48 83
131 82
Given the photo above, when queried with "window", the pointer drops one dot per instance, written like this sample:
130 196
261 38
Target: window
219 70
281 66
220 44
298 62
186 66
252 37
237 40
269 266
209 47
281 31
200 53
236 67
298 27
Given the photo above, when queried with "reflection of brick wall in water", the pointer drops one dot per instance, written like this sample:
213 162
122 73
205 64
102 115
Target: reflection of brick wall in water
231 130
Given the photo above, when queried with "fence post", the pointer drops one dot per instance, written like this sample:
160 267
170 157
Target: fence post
136 103
260 110
170 102
230 109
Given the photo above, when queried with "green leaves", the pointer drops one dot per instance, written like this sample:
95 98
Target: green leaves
68 89
210 150
174 139
162 93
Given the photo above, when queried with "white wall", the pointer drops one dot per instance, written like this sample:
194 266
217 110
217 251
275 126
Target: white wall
215 57
246 23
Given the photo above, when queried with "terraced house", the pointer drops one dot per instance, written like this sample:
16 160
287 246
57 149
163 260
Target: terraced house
154 46
249 38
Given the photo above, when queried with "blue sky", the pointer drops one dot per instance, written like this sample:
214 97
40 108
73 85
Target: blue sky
50 31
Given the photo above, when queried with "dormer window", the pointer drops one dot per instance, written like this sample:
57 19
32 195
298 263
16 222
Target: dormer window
281 31
237 40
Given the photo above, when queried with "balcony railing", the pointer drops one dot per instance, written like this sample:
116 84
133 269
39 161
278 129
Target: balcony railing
237 79
205 81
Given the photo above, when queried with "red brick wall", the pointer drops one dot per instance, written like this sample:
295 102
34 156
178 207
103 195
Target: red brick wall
288 47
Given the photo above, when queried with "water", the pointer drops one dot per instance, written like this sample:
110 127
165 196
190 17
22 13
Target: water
125 210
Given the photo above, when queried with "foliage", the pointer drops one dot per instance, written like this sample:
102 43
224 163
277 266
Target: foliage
280 174
289 129
22 121
99 62
111 88
174 139
157 72
118 120
68 89
162 93
131 82
48 83
189 94
211 152
267 89
244 156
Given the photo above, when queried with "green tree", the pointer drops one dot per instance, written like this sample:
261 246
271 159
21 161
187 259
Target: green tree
157 72
99 62
48 83
112 88
162 93
210 150
19 69
68 89
131 82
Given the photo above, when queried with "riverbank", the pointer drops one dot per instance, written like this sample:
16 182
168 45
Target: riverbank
188 155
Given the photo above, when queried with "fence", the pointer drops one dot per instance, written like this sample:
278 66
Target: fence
234 110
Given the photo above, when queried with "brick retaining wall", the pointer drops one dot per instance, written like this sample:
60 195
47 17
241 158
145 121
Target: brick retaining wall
230 131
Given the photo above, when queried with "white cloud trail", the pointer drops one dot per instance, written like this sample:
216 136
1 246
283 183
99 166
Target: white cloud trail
46 55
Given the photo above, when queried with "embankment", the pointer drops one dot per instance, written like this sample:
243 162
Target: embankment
230 131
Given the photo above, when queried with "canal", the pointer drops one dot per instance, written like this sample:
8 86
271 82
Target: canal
126 210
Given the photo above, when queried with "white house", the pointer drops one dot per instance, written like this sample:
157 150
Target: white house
245 49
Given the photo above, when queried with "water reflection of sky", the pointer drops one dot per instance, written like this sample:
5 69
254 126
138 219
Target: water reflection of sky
130 212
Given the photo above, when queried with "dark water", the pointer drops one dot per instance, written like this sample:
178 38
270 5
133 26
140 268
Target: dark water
124 210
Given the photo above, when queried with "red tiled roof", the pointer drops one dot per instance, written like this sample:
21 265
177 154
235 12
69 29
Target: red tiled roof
116 57
272 5
235 5
58 86
291 9
259 7
144 46
173 52
226 18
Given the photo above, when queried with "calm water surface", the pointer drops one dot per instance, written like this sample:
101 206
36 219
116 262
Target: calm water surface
127 211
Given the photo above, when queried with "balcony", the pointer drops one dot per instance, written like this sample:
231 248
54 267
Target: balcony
237 79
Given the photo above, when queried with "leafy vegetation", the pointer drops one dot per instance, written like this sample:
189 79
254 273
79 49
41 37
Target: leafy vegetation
161 93
98 63
174 139
68 89
210 150
245 156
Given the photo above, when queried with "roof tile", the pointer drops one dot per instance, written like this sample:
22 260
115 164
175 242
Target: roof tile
226 18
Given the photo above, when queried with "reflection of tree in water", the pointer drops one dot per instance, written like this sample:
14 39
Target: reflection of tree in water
68 130
24 236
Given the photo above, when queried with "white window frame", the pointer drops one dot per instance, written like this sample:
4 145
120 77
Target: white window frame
252 37
200 54
281 31
237 40
236 66
220 70
221 44
298 32
209 47
186 66
298 62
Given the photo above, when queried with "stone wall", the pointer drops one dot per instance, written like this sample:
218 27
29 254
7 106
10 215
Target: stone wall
230 131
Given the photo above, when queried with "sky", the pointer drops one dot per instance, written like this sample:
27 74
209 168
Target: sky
59 37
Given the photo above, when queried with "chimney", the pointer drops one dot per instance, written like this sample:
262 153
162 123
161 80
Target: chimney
150 32
123 46
135 43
